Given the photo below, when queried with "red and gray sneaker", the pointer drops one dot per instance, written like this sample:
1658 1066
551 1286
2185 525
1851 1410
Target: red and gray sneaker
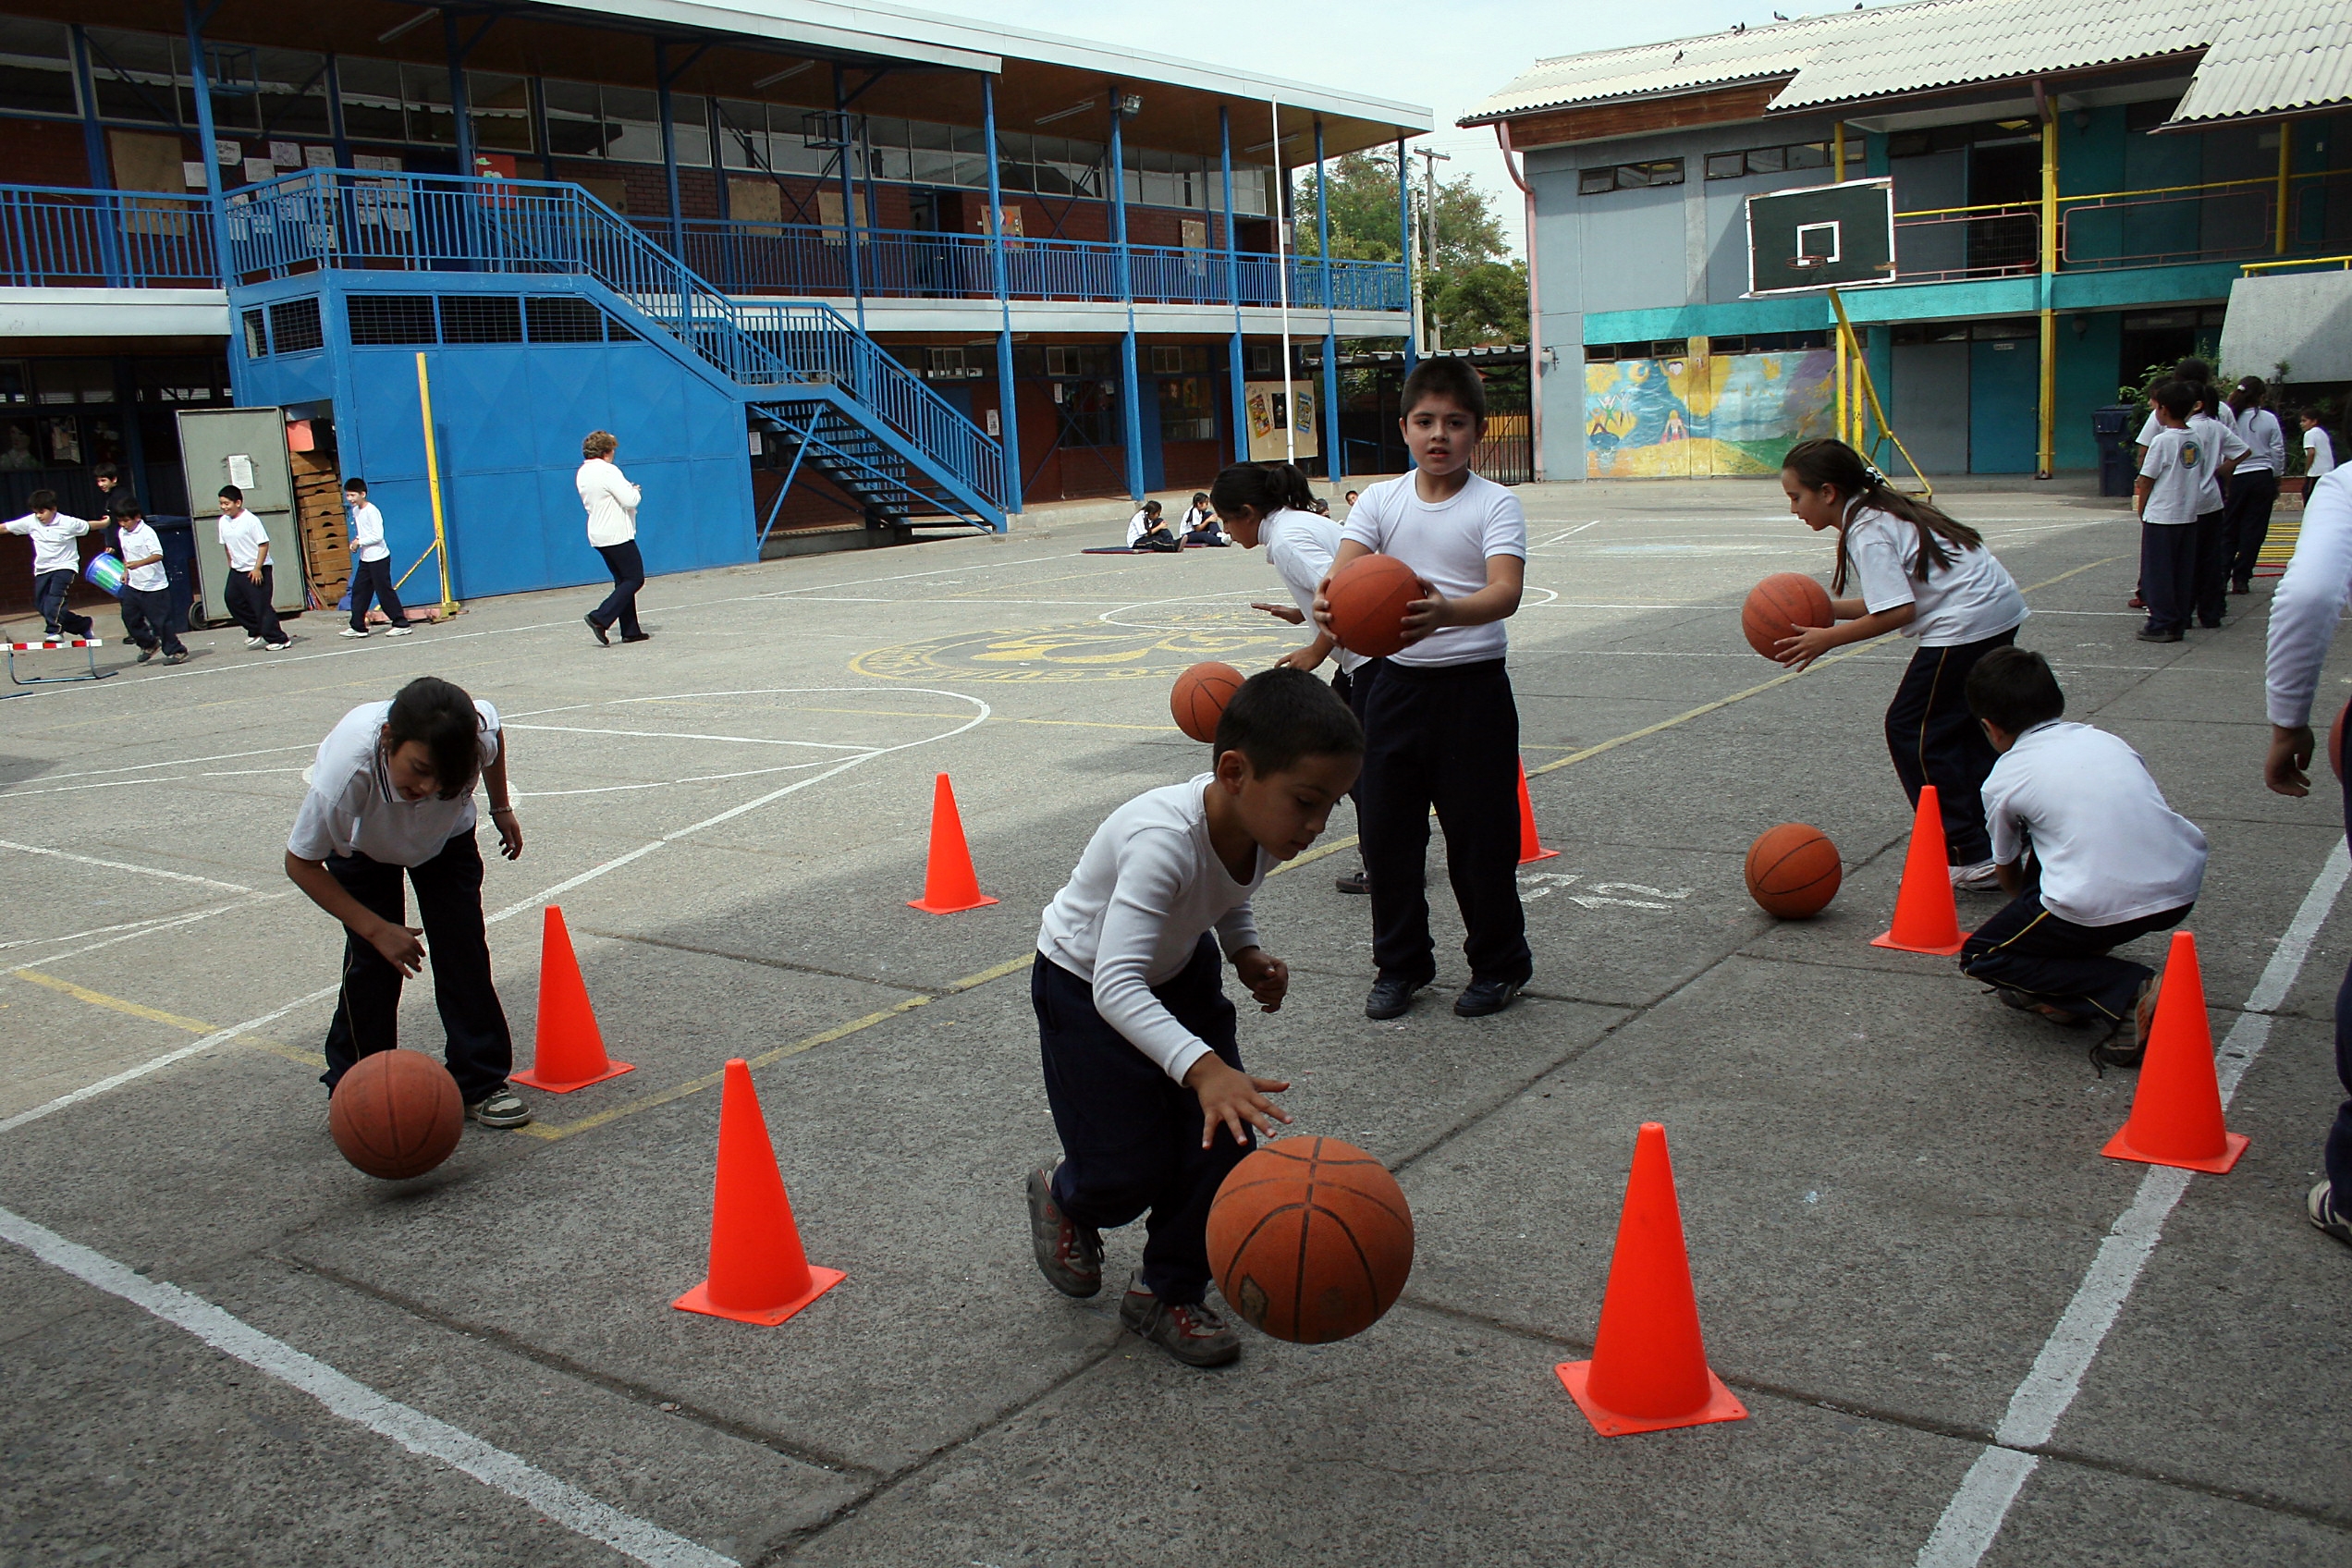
1194 1335
1068 1254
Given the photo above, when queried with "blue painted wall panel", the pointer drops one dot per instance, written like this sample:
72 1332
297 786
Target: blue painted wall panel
2003 397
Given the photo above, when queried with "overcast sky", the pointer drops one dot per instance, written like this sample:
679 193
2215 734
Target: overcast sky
1446 55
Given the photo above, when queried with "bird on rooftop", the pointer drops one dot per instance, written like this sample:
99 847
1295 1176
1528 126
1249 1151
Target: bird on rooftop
1778 17
1739 26
1677 59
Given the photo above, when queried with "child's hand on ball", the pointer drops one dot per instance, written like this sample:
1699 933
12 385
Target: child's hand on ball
1268 977
1233 1100
1805 647
1426 613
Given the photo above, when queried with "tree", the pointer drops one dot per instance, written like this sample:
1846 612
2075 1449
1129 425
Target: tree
1477 297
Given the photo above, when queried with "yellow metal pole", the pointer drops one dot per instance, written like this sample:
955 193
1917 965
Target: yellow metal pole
1867 390
432 483
2046 456
1837 144
2285 173
1837 341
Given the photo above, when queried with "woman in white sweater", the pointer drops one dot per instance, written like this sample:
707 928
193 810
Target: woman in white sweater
612 502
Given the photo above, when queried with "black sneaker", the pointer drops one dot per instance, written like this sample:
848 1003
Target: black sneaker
146 654
637 637
1194 1335
1354 882
500 1107
1482 997
2320 1205
597 631
2147 636
1069 1254
1391 996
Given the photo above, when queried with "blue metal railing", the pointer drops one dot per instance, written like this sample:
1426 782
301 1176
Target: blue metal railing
332 218
61 237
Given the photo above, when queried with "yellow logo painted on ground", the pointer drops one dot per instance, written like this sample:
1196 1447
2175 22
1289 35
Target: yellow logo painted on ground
1089 650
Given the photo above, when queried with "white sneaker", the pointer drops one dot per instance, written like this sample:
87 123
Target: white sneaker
400 631
353 631
253 642
1975 878
279 647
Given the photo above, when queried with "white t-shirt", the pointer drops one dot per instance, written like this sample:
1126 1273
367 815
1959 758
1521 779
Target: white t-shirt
2309 602
367 534
138 541
1967 601
2109 848
2148 430
2265 442
2318 452
1300 546
243 536
53 542
1147 886
1448 546
2181 467
352 807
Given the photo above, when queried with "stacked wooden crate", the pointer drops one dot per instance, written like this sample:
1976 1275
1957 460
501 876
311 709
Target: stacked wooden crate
320 523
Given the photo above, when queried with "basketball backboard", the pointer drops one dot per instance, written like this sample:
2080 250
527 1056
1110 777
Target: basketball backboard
1822 237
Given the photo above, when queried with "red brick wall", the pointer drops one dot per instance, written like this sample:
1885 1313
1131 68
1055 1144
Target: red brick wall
44 152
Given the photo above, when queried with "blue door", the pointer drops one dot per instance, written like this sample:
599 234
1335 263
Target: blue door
2005 390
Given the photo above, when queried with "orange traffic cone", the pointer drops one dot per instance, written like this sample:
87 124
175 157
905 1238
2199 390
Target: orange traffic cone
1649 1369
568 1052
758 1273
1926 919
2176 1113
1530 845
948 883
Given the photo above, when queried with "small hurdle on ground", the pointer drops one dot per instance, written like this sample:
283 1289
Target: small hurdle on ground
89 645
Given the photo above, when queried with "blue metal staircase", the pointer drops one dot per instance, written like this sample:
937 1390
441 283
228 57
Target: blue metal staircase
831 393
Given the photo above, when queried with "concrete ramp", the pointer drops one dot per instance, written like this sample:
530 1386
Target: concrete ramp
2303 318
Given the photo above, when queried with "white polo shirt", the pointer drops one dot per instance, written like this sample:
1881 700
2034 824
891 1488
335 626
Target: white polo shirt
139 541
2179 468
1300 546
53 542
1968 600
352 808
243 536
1448 546
2109 848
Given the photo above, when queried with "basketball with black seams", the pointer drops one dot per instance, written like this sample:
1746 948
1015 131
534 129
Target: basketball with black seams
396 1114
1368 598
1199 696
1793 871
1780 605
1310 1240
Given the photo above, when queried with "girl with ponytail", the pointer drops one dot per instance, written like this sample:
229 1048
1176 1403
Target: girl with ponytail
1919 572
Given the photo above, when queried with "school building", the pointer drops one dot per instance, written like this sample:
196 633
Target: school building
2080 190
822 269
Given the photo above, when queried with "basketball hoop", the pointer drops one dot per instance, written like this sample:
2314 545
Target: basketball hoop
1803 261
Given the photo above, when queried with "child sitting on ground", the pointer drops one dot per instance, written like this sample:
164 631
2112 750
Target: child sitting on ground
1147 530
2111 860
1201 524
1143 1070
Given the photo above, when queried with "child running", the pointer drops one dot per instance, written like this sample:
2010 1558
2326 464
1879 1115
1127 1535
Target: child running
1143 1070
1932 578
146 590
371 565
2090 853
56 562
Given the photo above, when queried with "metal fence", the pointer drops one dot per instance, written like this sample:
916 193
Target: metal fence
58 237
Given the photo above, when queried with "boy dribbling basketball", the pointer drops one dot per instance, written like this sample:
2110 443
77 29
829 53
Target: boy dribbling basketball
1142 1066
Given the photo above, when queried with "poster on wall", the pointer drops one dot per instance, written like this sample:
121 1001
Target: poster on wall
1707 417
1281 420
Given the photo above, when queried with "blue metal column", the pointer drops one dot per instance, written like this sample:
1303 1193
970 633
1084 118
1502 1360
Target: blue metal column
1008 392
1131 395
1404 248
102 178
336 128
202 80
1334 458
1238 371
849 199
460 108
539 131
669 147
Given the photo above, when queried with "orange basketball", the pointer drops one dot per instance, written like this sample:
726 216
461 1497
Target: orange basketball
1780 605
1199 696
1310 1240
1792 871
396 1114
1368 597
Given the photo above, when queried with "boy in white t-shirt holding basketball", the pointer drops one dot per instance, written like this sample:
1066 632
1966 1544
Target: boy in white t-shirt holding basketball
1442 727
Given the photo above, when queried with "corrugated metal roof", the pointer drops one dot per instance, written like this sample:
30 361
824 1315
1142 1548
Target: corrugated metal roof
2264 56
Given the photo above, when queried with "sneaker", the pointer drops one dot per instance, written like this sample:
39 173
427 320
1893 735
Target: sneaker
500 1107
1483 998
145 654
277 647
1194 1335
180 657
1977 878
353 632
637 637
252 642
1391 996
400 631
596 631
2011 997
1068 1254
2145 635
1354 882
2320 1205
2241 588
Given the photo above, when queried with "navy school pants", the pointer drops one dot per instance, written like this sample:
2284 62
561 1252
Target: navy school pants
2339 1140
1447 738
628 569
1131 1134
146 617
49 590
373 580
1935 740
2168 573
2216 543
2028 949
1354 689
248 603
449 889
2251 496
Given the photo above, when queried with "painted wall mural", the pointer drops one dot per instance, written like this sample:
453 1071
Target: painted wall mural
1704 417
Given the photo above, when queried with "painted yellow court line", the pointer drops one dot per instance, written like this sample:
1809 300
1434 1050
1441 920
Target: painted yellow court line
157 1015
1092 724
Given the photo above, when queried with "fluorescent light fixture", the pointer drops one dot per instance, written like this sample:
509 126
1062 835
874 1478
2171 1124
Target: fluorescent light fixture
1065 114
786 74
410 25
1131 103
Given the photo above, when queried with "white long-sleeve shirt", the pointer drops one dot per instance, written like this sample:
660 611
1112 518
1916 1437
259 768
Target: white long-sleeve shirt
367 534
611 501
2310 600
2258 428
53 542
1147 888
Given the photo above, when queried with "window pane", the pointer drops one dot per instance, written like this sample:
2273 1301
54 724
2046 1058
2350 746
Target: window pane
742 143
632 125
690 119
371 100
424 92
501 106
1631 177
293 96
924 135
132 75
36 68
1767 160
1809 156
1594 181
1726 165
1664 171
574 129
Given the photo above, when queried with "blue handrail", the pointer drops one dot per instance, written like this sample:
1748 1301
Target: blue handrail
64 236
334 218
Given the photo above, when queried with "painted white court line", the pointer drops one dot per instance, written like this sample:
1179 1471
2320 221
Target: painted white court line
175 761
143 929
1972 1520
669 735
78 935
124 865
349 1400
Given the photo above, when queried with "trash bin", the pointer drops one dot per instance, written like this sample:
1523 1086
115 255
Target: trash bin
2112 427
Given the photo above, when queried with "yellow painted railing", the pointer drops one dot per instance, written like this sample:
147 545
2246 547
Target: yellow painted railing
2341 263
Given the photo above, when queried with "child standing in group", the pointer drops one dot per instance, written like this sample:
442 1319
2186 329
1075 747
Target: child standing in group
2111 860
2319 447
392 791
1270 504
2176 488
252 583
2214 427
146 590
371 565
1932 578
2254 483
56 562
1143 1068
1442 727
